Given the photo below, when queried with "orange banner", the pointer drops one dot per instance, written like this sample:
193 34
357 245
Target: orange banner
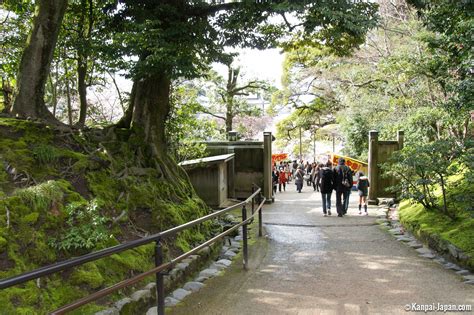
355 165
279 157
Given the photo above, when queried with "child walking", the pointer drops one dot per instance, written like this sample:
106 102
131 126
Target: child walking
363 189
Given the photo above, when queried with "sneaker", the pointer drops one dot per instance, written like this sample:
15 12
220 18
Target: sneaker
329 212
366 213
339 215
325 215
360 212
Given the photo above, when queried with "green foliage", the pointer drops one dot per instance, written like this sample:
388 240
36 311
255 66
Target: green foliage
423 170
85 227
41 197
183 129
88 274
45 154
451 49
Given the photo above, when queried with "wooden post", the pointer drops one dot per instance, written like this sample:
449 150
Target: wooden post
373 167
400 139
267 166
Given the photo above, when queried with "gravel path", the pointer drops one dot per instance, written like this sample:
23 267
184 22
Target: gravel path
326 265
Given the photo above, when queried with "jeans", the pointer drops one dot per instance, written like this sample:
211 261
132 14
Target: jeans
346 200
342 201
299 186
326 201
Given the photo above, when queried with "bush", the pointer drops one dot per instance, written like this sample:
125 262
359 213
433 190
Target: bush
423 170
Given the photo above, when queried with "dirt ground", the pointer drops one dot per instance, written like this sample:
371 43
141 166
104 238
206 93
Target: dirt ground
310 264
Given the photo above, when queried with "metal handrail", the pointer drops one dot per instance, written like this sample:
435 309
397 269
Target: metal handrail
57 267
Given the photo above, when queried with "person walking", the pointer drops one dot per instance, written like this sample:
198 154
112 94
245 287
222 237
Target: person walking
326 185
282 179
342 176
309 171
363 189
275 175
299 174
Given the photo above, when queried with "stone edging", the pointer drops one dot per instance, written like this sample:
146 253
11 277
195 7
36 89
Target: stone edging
141 301
395 228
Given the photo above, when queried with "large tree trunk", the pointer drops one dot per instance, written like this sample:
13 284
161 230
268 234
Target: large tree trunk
36 60
151 106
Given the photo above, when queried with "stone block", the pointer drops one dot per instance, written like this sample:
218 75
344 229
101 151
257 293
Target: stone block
224 262
405 239
182 266
120 304
415 244
150 286
463 272
209 273
424 250
429 256
170 301
109 311
201 279
180 294
142 296
152 311
217 266
205 251
193 286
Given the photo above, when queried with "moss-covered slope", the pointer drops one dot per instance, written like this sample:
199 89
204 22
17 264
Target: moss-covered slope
437 229
63 194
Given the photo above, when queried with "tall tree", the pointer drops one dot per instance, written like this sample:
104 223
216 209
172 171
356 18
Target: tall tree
15 18
226 97
174 38
36 60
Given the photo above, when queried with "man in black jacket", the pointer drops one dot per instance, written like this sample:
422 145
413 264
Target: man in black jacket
343 185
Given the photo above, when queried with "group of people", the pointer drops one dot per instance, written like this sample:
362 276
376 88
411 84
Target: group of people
325 179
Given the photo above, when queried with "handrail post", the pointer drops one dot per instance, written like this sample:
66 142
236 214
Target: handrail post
260 220
253 200
160 288
244 237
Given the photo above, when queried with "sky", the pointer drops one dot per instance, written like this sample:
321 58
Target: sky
260 64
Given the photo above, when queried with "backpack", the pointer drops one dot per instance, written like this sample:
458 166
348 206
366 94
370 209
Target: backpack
345 177
326 179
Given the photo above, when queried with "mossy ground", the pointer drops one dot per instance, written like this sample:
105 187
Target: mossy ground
60 188
460 231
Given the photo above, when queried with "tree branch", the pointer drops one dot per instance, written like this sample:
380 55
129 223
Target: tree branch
205 111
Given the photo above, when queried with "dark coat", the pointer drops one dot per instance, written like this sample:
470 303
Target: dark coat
338 176
326 180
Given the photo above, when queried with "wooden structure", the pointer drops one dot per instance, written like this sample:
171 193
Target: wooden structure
379 153
209 177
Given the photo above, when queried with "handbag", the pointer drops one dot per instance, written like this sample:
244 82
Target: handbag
307 177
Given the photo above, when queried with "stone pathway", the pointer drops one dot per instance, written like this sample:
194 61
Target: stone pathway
327 265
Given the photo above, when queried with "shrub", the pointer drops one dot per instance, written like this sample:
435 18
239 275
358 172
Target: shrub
424 169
